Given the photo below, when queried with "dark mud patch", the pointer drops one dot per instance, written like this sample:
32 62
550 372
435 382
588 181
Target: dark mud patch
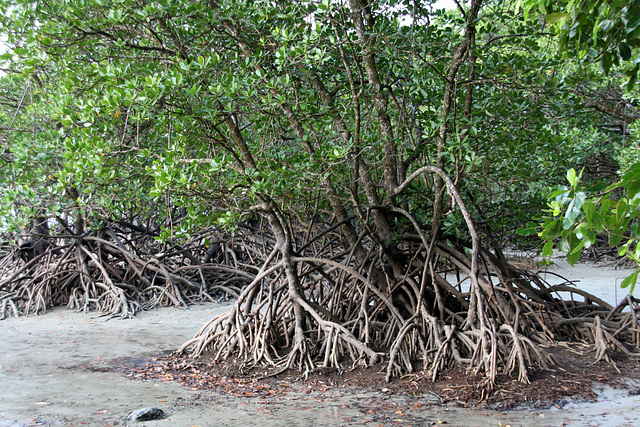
574 378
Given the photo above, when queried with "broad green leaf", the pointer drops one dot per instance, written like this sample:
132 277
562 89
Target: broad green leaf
574 255
623 249
571 177
597 187
547 249
556 17
630 281
632 24
621 210
633 188
615 239
632 175
558 192
552 230
589 209
625 51
607 61
564 245
579 199
569 220
526 231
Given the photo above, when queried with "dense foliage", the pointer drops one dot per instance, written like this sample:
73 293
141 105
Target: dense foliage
604 30
123 103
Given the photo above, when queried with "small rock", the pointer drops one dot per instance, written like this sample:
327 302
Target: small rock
146 414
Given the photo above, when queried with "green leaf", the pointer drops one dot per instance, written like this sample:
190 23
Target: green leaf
579 199
625 51
573 248
573 257
569 220
526 231
606 62
571 177
558 192
547 249
623 249
631 180
615 240
578 248
621 210
633 24
597 187
589 209
633 78
556 17
564 246
630 281
552 230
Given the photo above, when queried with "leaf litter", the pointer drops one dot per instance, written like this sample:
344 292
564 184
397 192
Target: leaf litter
403 401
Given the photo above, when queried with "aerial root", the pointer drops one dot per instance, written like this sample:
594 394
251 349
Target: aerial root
393 369
299 357
115 273
439 360
520 354
347 315
318 310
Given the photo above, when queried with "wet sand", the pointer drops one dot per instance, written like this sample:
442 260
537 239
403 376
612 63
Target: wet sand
51 375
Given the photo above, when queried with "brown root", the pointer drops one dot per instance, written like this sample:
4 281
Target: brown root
316 304
121 271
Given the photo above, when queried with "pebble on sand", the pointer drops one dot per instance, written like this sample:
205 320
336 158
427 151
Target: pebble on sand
146 414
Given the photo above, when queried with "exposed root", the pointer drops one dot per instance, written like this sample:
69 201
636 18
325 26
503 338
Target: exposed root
441 303
121 271
347 319
314 305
